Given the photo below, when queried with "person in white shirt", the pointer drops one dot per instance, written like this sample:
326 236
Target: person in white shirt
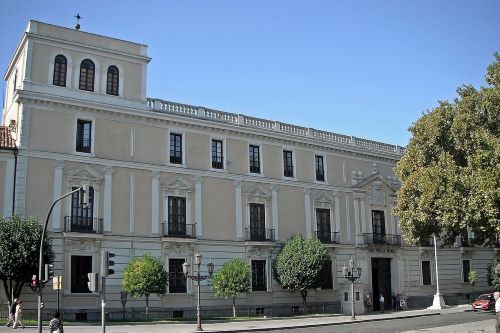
381 301
497 310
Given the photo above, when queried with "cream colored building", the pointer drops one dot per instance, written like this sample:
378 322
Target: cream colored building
172 179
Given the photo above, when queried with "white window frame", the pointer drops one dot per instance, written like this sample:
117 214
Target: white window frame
432 272
93 136
268 273
261 159
97 74
294 163
224 156
104 78
183 136
69 69
324 169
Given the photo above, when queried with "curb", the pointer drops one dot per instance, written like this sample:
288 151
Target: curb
261 329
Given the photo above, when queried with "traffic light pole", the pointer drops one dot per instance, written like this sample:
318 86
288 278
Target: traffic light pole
40 258
103 305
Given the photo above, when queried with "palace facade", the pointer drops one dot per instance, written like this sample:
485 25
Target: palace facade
173 180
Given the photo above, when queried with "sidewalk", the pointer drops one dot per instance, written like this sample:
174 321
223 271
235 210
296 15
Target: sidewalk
261 324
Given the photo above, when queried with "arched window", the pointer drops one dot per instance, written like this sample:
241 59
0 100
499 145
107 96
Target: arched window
87 74
60 66
112 85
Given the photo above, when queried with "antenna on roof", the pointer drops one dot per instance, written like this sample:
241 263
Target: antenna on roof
78 17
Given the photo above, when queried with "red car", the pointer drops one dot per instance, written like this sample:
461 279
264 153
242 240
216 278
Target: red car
484 302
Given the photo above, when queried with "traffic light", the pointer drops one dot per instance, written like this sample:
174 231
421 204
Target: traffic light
49 272
93 281
107 263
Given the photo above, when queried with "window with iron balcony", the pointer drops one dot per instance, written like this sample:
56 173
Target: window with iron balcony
217 154
84 136
175 148
254 158
288 163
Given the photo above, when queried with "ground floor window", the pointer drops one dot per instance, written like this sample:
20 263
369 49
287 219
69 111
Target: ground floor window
80 267
259 275
326 276
426 272
465 270
176 278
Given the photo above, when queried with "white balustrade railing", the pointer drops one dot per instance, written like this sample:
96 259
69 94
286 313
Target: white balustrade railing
232 118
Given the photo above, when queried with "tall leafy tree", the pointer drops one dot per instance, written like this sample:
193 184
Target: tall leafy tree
300 263
231 280
449 174
144 276
19 252
493 274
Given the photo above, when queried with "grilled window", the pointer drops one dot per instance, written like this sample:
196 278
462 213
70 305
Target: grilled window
176 278
87 75
426 272
177 216
254 158
82 217
83 136
257 222
60 68
320 168
323 221
259 275
217 155
287 163
112 82
175 148
378 225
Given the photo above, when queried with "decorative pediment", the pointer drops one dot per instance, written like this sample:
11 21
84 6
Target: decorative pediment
380 181
84 172
323 197
257 191
258 252
173 250
177 183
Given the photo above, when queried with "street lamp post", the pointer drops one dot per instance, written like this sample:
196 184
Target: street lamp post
352 273
85 191
197 277
438 301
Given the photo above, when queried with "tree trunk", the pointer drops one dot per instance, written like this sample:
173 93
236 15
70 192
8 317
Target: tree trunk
234 307
147 307
18 288
6 290
303 293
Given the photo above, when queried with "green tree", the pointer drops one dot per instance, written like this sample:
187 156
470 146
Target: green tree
19 252
231 280
144 276
493 274
449 174
299 264
472 278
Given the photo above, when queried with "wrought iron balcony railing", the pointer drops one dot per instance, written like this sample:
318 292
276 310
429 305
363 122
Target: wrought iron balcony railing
83 145
259 234
179 230
327 237
382 239
83 224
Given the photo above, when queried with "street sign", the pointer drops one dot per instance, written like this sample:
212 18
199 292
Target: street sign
57 282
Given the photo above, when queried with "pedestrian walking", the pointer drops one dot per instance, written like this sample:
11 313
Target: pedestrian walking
12 313
56 325
398 302
368 303
496 295
381 300
19 315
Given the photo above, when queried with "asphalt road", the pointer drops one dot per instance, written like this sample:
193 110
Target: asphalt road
463 322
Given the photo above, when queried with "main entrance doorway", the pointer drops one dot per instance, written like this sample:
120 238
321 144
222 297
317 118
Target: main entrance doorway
381 282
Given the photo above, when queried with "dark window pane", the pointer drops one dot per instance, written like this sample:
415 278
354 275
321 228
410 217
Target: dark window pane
60 68
84 136
466 270
82 217
254 158
323 225
112 81
426 272
80 267
259 275
176 278
320 169
257 222
217 156
378 224
175 148
326 276
287 163
87 73
176 216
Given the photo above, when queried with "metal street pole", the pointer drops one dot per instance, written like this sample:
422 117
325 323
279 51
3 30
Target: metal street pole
40 258
198 307
103 304
352 274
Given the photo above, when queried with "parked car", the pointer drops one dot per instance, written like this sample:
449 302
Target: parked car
484 302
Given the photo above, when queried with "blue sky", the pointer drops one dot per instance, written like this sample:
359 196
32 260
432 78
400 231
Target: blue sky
363 68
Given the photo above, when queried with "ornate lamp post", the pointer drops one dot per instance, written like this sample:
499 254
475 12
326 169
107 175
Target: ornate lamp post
198 277
352 273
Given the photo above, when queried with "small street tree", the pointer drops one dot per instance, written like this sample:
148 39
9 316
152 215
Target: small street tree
493 274
450 179
19 252
144 276
299 264
472 278
232 280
